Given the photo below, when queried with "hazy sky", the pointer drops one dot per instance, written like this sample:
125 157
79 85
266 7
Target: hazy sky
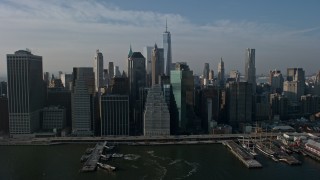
284 33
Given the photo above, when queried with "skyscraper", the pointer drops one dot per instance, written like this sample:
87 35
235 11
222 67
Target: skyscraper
221 79
294 86
114 114
239 102
167 51
182 81
206 71
98 70
25 88
111 70
250 69
82 101
156 114
157 64
276 81
137 81
147 53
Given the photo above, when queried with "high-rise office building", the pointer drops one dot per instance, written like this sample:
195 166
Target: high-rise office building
221 79
276 81
167 51
137 82
46 78
156 114
206 70
147 53
182 82
250 69
82 101
25 90
294 86
239 102
111 70
279 106
53 117
114 115
98 70
157 64
211 74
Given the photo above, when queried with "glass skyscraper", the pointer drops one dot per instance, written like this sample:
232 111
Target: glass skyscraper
167 51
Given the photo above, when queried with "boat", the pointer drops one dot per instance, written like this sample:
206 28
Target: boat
106 167
116 155
104 157
265 150
248 146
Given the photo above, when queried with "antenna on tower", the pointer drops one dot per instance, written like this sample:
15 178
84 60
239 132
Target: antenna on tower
166 25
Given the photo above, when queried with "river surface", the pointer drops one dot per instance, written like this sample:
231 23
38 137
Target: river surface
212 161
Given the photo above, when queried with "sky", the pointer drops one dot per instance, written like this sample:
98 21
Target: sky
67 33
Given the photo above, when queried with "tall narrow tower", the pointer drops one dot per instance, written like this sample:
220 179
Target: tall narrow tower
221 72
250 68
167 50
157 64
98 70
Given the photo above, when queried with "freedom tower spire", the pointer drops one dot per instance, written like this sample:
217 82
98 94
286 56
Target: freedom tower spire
167 50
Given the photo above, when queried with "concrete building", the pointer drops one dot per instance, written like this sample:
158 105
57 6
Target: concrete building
82 101
294 86
114 115
66 80
250 69
118 85
98 70
239 103
62 98
157 64
167 51
25 90
310 104
4 115
182 82
156 114
276 81
53 117
279 106
234 75
147 53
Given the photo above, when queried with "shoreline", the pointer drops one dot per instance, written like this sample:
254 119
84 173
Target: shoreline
128 140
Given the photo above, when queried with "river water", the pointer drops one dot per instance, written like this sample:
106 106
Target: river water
212 161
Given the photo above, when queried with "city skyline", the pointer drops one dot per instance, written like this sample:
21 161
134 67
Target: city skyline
67 35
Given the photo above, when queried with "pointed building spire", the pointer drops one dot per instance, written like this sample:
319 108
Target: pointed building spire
130 51
166 25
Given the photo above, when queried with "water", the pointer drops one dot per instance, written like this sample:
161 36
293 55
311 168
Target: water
155 162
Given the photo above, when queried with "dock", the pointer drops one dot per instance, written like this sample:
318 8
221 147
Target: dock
91 163
246 158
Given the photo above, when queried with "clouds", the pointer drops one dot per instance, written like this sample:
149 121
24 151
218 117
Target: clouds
67 33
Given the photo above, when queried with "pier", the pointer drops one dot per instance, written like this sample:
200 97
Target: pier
91 163
246 158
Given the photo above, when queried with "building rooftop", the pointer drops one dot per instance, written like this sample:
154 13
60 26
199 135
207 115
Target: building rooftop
136 55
